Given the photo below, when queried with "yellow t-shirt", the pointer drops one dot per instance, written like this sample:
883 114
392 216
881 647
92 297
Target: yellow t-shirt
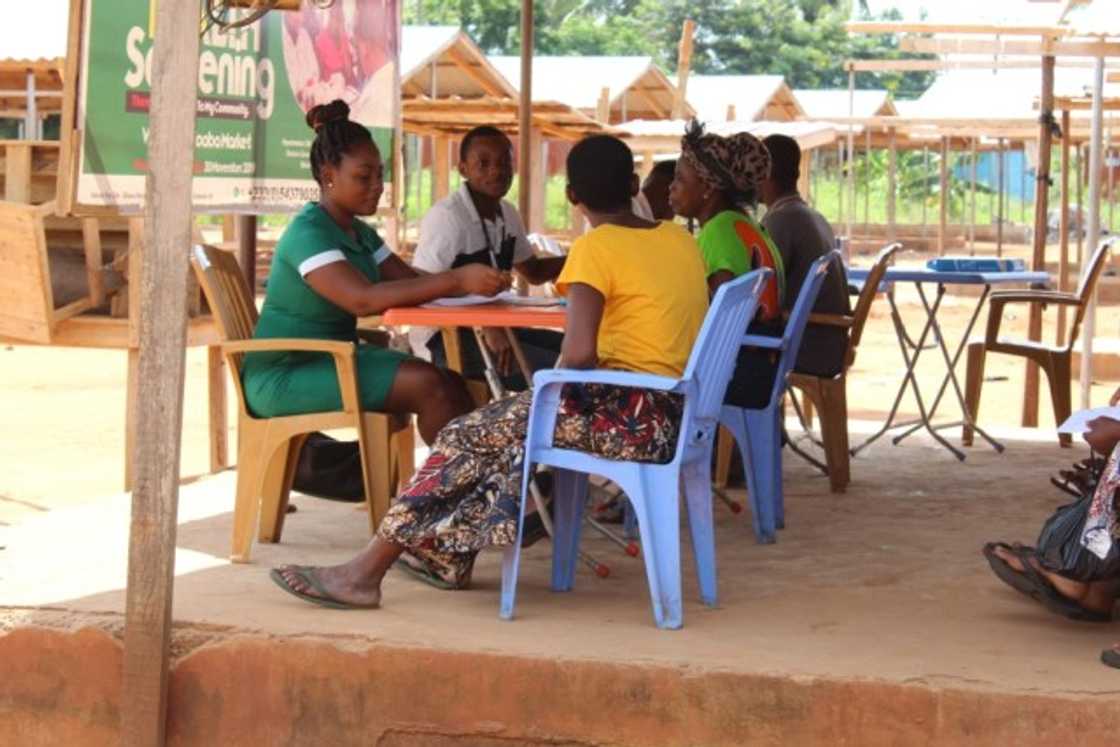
656 295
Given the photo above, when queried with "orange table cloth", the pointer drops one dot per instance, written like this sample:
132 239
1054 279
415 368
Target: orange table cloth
481 315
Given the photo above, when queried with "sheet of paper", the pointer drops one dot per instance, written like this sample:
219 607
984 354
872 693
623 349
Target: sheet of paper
505 297
1078 422
463 300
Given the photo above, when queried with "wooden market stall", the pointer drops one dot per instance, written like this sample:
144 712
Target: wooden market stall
1095 41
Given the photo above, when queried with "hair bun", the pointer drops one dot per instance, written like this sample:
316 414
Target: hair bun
323 114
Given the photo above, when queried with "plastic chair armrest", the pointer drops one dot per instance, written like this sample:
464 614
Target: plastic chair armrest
342 352
554 376
763 341
1034 296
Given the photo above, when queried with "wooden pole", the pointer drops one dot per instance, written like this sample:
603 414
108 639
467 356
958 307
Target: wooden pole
525 111
1023 188
441 167
851 152
684 64
538 155
1000 201
1063 227
805 178
867 179
972 198
603 106
1079 174
1096 158
1038 257
162 358
925 191
247 250
944 189
892 185
840 216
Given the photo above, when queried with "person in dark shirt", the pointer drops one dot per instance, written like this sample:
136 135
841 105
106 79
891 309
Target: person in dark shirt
802 235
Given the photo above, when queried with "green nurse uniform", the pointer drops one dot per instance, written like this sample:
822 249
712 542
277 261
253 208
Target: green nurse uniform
291 383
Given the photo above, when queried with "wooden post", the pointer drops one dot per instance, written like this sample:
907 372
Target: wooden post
805 176
1063 226
851 187
684 64
944 190
892 177
1096 158
1023 187
247 250
17 172
840 216
1079 195
603 106
1000 197
525 110
972 198
925 190
867 180
1038 256
538 154
162 358
441 167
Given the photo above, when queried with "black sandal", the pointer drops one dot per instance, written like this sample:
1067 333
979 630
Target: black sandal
1045 594
1111 657
1005 571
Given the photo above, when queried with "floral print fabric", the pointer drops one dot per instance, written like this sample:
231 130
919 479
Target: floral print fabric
467 494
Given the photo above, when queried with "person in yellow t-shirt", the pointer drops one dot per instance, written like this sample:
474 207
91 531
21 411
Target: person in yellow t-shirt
636 300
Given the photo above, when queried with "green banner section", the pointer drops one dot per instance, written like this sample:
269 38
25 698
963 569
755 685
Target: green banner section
254 86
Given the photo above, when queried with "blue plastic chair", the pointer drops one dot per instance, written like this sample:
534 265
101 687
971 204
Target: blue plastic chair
654 489
758 432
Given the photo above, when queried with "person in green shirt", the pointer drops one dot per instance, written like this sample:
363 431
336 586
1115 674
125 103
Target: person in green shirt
329 268
716 183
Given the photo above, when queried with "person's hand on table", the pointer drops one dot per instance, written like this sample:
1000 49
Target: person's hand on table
1103 434
498 343
479 279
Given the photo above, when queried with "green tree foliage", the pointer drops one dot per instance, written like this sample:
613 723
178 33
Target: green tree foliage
804 40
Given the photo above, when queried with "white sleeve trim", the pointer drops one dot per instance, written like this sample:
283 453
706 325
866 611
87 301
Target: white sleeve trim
321 259
382 254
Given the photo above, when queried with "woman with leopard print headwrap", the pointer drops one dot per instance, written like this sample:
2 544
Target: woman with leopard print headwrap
716 182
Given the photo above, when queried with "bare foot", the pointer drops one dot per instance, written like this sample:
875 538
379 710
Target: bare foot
337 583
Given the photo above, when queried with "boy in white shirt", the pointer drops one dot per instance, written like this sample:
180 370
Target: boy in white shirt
474 224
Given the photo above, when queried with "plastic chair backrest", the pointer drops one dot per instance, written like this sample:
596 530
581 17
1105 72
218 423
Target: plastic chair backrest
799 318
1086 286
862 310
226 291
713 354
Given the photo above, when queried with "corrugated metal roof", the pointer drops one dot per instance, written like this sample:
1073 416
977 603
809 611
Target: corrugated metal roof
576 81
1000 94
461 67
832 103
711 95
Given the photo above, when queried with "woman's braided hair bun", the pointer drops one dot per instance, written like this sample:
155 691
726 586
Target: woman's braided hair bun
323 114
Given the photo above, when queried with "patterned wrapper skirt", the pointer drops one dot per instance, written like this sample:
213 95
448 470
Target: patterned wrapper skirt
467 495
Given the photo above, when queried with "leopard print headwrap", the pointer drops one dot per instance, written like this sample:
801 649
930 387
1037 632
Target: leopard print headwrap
734 165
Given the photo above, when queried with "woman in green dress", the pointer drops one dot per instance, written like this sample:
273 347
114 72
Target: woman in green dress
329 268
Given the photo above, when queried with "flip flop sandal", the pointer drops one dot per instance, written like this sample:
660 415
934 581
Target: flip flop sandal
1111 657
1005 571
424 574
533 530
1045 594
307 574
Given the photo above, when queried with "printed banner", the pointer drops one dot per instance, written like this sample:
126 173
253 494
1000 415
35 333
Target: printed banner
255 85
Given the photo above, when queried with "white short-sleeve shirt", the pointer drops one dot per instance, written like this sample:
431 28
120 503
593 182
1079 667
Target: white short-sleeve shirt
452 234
